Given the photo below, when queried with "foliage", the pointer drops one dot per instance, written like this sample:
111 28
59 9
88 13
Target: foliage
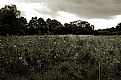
79 27
53 26
68 57
9 22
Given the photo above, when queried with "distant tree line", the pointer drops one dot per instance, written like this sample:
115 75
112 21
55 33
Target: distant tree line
110 31
11 23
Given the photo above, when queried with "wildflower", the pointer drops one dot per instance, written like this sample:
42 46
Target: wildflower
68 50
116 61
28 41
14 45
54 56
2 45
58 43
64 41
20 58
54 42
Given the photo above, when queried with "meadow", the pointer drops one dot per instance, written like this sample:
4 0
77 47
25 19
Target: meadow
60 57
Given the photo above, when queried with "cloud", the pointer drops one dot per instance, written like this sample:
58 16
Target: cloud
65 17
88 8
102 23
82 8
30 10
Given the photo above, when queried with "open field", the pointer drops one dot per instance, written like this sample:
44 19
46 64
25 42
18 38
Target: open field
53 57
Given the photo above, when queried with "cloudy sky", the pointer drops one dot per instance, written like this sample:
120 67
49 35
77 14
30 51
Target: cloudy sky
101 13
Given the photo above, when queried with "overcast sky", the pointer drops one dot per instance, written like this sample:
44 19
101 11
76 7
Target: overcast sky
101 13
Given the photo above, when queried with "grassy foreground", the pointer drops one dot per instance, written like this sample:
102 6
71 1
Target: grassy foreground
60 57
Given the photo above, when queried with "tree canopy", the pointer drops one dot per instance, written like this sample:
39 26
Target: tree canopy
10 24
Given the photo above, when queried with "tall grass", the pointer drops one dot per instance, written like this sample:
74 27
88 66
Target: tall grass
60 57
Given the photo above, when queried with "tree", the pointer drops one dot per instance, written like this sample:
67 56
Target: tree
42 26
9 22
36 26
48 23
23 19
52 25
68 28
32 27
8 14
118 27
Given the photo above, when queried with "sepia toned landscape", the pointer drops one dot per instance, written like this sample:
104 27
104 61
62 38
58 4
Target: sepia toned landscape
63 46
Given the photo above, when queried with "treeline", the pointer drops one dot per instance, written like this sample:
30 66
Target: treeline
54 27
11 23
110 31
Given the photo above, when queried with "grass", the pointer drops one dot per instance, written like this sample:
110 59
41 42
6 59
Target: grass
68 57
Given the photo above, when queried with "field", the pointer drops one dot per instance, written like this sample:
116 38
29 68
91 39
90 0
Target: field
68 57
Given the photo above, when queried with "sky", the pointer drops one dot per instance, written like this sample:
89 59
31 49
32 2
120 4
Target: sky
100 13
